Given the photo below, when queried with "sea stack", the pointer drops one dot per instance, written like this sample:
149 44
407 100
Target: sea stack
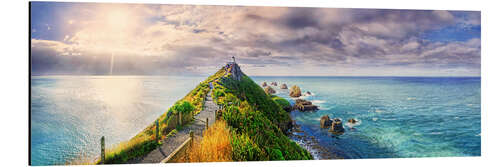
283 86
269 90
264 84
274 84
337 127
295 91
325 121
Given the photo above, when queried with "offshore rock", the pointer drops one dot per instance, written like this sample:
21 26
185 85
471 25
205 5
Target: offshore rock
283 86
264 84
337 127
325 121
352 121
295 91
304 105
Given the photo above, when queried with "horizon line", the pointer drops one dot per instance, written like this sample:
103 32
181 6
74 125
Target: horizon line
429 76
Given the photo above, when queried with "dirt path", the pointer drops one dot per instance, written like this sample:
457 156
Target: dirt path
171 143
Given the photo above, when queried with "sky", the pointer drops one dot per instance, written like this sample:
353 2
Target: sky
160 39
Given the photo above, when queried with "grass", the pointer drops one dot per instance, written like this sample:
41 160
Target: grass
281 101
257 122
215 146
125 151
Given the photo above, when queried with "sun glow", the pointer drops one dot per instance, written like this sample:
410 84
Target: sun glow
109 29
117 19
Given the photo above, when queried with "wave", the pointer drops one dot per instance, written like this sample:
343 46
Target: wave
324 108
436 133
304 95
318 101
351 125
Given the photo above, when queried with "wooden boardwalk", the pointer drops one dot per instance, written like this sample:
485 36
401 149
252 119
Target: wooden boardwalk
172 143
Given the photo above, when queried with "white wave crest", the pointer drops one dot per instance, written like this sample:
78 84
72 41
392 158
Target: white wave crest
318 101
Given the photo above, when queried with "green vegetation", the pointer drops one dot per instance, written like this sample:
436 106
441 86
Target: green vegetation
281 101
257 122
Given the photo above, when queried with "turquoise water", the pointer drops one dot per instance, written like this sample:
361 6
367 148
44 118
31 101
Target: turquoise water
400 116
69 114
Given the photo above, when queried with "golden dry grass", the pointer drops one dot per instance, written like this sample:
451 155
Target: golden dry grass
214 147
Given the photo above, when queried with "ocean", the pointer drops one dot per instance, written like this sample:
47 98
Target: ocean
400 116
69 114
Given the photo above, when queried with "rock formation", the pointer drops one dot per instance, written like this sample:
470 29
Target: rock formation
352 121
274 83
264 84
234 70
269 90
325 121
304 105
337 127
283 86
295 91
308 93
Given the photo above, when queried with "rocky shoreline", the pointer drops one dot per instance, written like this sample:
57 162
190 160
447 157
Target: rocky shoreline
294 132
310 143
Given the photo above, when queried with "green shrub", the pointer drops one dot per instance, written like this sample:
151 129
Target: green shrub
218 93
244 149
184 107
276 155
281 101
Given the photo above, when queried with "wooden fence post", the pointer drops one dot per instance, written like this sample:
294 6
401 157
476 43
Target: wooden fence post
180 118
206 124
103 154
191 134
157 131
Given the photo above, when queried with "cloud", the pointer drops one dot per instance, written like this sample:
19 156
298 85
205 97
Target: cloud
170 39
